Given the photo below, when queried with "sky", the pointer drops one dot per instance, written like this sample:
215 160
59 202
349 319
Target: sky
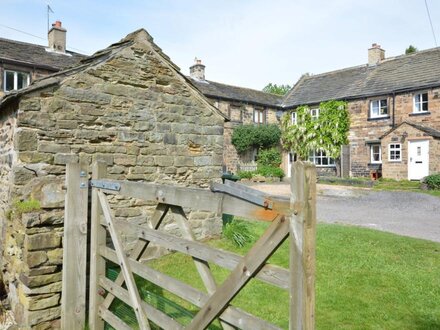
247 43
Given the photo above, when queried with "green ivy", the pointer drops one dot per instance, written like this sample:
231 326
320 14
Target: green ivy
246 137
328 132
433 181
269 157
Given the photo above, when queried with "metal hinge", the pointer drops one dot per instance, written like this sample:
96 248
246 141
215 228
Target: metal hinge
108 185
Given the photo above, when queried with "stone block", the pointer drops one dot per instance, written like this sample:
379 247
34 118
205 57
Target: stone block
22 175
164 160
184 161
35 157
42 241
39 280
52 218
127 160
62 159
31 104
202 160
67 124
26 140
30 219
53 147
169 138
42 270
52 195
36 317
43 301
50 288
145 160
35 259
55 256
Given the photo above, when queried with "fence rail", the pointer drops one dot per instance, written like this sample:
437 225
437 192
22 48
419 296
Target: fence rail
295 218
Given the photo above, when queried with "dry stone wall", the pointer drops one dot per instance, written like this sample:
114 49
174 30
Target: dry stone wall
135 113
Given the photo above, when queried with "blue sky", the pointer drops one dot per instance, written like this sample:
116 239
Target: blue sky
242 42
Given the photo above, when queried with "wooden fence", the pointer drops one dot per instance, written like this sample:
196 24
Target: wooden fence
295 218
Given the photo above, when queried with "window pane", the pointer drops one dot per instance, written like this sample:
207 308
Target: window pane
9 81
325 161
425 106
21 80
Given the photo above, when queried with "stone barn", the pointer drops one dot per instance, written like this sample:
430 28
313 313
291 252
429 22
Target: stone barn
127 105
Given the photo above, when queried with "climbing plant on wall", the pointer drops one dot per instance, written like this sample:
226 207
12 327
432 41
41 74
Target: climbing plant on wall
246 137
327 132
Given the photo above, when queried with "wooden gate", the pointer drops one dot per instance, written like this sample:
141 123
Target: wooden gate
295 218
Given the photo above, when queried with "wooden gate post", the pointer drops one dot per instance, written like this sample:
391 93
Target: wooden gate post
302 246
73 298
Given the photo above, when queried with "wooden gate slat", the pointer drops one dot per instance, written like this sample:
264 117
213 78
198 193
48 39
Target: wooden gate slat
232 315
254 259
202 266
112 319
156 316
125 267
269 273
156 219
201 199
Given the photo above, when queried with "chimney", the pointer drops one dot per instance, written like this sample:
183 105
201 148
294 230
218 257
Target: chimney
197 71
375 54
57 37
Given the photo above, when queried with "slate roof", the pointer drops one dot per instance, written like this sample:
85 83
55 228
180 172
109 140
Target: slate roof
95 59
428 130
234 93
23 53
402 73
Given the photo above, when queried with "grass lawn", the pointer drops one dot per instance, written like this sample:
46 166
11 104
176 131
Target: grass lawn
366 279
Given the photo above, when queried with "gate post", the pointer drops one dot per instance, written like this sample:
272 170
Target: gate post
73 297
302 246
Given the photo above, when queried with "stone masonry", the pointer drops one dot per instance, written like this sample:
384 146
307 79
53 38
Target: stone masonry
127 106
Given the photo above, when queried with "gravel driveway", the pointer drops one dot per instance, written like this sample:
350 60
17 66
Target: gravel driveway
404 213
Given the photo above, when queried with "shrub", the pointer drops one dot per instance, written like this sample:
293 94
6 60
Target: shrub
246 137
433 181
269 157
270 171
238 232
245 174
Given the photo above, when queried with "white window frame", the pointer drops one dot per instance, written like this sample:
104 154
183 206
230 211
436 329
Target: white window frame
418 102
259 116
394 147
377 104
372 153
293 118
5 72
314 113
315 155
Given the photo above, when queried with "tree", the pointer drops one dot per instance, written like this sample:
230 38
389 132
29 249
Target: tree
328 132
411 49
275 89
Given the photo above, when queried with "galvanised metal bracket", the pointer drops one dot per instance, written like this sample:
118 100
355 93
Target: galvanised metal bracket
107 185
240 191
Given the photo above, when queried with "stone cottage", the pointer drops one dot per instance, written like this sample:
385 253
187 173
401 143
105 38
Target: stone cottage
394 108
21 63
127 105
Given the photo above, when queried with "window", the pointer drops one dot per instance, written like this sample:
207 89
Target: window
259 116
319 158
293 118
314 113
394 152
376 154
378 108
421 102
14 80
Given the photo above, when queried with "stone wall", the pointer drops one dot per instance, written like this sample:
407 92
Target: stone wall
132 111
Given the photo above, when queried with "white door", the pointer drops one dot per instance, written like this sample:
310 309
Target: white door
289 164
418 159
